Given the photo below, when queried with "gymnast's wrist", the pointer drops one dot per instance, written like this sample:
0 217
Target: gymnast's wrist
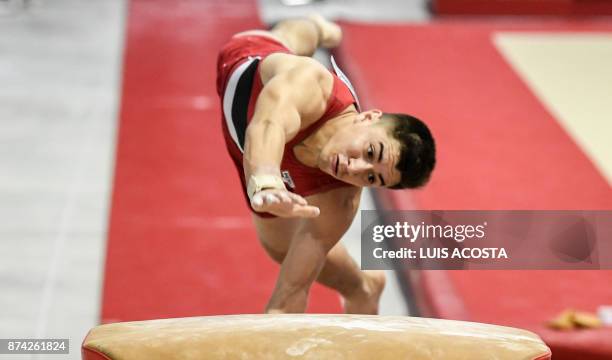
261 182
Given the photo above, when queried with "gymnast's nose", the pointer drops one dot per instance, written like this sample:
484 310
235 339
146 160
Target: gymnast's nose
357 166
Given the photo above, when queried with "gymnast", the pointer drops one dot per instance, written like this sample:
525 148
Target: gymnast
304 149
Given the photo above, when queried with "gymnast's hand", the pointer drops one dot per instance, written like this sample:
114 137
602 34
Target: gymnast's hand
283 203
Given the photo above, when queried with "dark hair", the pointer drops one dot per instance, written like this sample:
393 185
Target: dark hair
417 150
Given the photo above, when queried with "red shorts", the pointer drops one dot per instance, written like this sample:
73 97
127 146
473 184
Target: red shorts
238 49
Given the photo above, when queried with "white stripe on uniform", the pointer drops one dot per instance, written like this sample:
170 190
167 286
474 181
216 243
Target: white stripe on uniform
228 98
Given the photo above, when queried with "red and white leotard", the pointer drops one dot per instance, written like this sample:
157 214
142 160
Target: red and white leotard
239 85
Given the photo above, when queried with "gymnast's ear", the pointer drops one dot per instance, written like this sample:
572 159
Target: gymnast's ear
369 115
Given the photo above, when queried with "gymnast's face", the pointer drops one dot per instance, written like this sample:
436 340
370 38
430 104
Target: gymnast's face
363 153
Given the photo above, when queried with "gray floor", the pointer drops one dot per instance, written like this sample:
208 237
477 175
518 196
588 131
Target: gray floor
358 10
59 70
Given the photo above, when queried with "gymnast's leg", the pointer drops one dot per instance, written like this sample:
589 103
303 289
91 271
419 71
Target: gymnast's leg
303 36
360 290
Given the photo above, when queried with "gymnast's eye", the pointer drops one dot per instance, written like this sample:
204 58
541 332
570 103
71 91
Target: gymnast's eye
370 152
371 178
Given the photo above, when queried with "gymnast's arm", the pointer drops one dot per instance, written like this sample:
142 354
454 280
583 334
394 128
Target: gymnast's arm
289 101
308 250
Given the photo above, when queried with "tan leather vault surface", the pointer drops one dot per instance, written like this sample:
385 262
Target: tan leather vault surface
311 337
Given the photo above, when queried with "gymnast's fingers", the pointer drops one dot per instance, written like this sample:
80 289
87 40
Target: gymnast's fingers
305 211
298 199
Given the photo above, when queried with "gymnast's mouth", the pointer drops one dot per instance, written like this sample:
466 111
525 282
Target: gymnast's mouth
336 163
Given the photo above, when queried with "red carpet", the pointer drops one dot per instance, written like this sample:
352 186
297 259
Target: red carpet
498 148
180 239
522 7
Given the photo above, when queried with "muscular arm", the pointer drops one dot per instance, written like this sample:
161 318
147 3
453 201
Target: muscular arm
292 98
309 247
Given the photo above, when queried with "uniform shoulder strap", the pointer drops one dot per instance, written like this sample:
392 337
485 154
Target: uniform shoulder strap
340 74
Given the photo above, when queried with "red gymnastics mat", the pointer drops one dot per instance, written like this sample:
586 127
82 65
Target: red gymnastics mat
180 239
498 148
522 7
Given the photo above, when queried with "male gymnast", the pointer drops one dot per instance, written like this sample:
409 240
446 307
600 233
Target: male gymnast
304 150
